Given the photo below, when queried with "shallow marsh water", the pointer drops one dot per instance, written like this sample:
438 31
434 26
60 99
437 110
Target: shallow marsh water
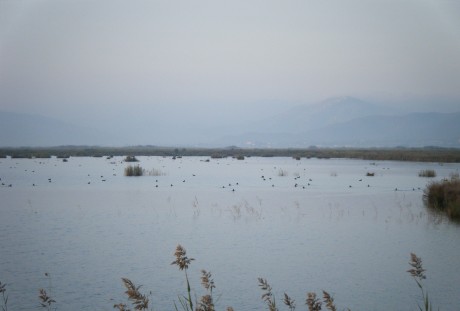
324 225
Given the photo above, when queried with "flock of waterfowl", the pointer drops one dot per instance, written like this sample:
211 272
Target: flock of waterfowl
272 179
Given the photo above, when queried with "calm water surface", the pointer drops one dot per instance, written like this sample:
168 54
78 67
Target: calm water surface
323 225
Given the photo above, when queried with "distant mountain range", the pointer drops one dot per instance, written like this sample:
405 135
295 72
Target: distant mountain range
337 122
350 122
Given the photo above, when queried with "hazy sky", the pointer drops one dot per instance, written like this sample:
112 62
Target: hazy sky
96 60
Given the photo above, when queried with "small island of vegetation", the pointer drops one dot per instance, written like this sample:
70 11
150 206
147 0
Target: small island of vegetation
444 196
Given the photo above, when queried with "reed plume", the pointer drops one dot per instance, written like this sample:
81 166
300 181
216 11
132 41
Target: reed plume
207 281
418 273
313 303
140 301
288 301
329 301
268 295
182 261
45 300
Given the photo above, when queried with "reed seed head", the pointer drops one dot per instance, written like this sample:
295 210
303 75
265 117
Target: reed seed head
313 303
206 303
140 301
206 280
182 261
45 300
288 301
329 301
417 270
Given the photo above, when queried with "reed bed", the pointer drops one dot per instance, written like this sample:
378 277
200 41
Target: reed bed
427 173
132 170
444 196
445 155
206 302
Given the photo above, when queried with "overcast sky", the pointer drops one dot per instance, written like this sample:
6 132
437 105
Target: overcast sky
78 59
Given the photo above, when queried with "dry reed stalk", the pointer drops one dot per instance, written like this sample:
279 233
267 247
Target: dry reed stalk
45 300
418 273
268 295
207 281
417 270
329 301
182 261
288 301
140 301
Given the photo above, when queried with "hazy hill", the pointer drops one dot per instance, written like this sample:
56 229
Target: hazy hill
343 121
328 112
412 130
347 121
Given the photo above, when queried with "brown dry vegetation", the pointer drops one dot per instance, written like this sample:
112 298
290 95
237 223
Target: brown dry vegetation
432 154
444 196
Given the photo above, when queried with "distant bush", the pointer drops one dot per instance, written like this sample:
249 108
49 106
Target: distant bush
427 173
444 196
240 157
131 159
370 174
134 170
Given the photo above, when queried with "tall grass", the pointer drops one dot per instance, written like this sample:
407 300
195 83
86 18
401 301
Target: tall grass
314 302
132 170
444 196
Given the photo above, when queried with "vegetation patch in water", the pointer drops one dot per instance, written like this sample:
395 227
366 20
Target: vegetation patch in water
132 170
444 196
427 173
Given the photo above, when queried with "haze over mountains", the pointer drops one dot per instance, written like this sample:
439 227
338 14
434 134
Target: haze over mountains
335 122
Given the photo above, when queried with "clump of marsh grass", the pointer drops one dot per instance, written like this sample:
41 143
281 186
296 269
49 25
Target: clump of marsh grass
444 196
418 273
131 159
131 170
427 173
